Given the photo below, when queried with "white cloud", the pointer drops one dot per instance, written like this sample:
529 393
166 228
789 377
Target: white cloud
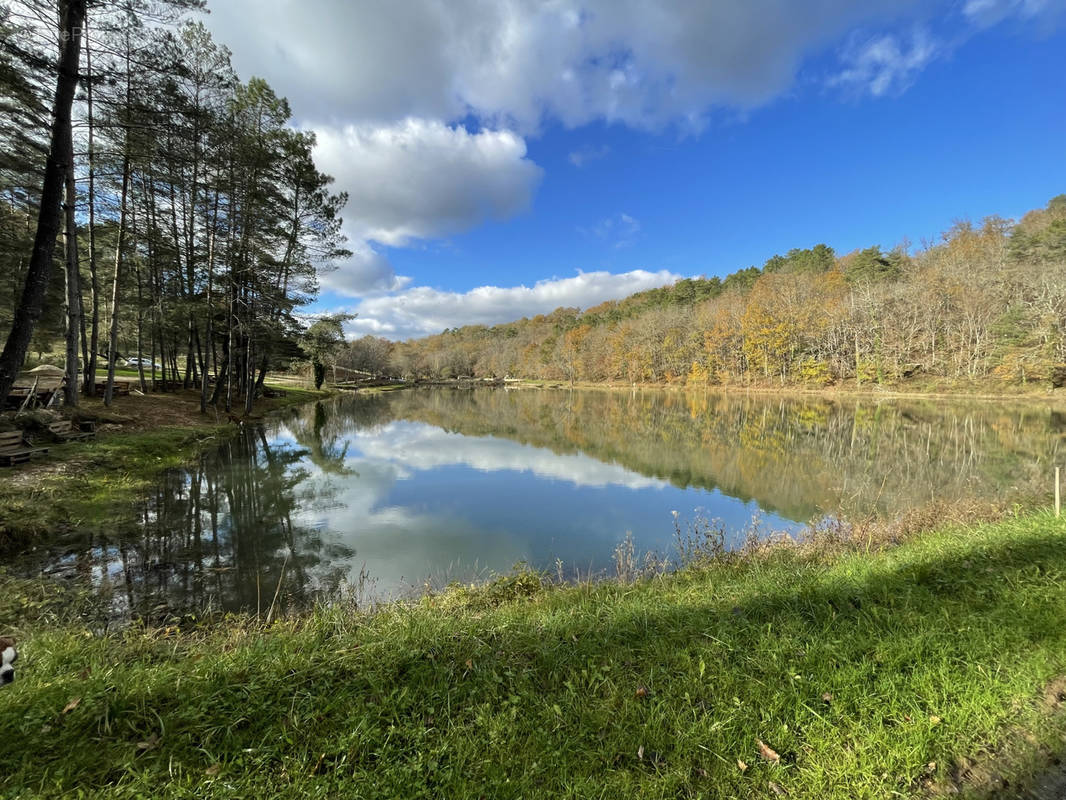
886 63
990 12
415 180
417 446
421 179
519 62
366 272
421 310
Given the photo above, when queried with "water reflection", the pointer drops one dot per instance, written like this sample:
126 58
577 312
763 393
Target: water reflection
456 483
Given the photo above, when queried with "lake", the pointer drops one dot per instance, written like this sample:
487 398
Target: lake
391 491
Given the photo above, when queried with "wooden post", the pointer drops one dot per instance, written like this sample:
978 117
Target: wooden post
1058 498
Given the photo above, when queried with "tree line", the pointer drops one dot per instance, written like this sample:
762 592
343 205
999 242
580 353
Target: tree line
189 216
985 302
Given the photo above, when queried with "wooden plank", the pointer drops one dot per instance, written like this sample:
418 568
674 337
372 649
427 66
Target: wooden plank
64 429
121 387
10 459
9 438
23 447
13 444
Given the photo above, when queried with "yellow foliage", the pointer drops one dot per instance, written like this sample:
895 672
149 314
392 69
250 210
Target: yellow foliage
814 372
698 375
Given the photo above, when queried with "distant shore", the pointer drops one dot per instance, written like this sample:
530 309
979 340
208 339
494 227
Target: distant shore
959 392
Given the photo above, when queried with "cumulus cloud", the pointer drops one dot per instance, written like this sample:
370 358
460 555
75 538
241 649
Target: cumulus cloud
523 61
414 180
421 179
886 63
421 310
366 272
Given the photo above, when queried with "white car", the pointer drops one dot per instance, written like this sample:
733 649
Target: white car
147 362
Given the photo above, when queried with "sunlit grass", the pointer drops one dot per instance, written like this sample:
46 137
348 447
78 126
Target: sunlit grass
869 674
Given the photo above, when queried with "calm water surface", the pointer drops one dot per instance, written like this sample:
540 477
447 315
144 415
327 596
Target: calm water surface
457 484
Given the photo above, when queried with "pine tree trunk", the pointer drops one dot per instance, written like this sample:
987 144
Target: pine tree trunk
112 350
73 330
94 283
209 342
140 332
120 246
31 303
249 385
230 345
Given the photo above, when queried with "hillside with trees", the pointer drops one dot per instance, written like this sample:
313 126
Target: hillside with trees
189 214
985 303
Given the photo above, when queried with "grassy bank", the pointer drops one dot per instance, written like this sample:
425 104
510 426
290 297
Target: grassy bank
865 674
90 483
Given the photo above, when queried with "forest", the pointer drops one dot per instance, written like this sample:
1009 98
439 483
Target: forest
986 303
180 220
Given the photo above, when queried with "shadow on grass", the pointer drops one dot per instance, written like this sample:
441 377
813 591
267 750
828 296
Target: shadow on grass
860 676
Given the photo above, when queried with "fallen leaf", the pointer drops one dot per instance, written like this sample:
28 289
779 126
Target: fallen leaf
768 752
214 769
743 767
71 705
778 789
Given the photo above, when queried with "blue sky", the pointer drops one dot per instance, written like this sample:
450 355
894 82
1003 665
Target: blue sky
509 157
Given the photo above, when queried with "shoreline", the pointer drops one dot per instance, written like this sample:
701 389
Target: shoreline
1053 396
139 438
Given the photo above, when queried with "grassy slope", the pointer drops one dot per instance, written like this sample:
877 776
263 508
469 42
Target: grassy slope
86 483
930 651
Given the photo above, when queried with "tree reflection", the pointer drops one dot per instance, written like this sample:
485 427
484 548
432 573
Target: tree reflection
252 519
795 457
225 534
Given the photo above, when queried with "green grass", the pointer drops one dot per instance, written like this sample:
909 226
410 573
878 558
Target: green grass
929 652
96 483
